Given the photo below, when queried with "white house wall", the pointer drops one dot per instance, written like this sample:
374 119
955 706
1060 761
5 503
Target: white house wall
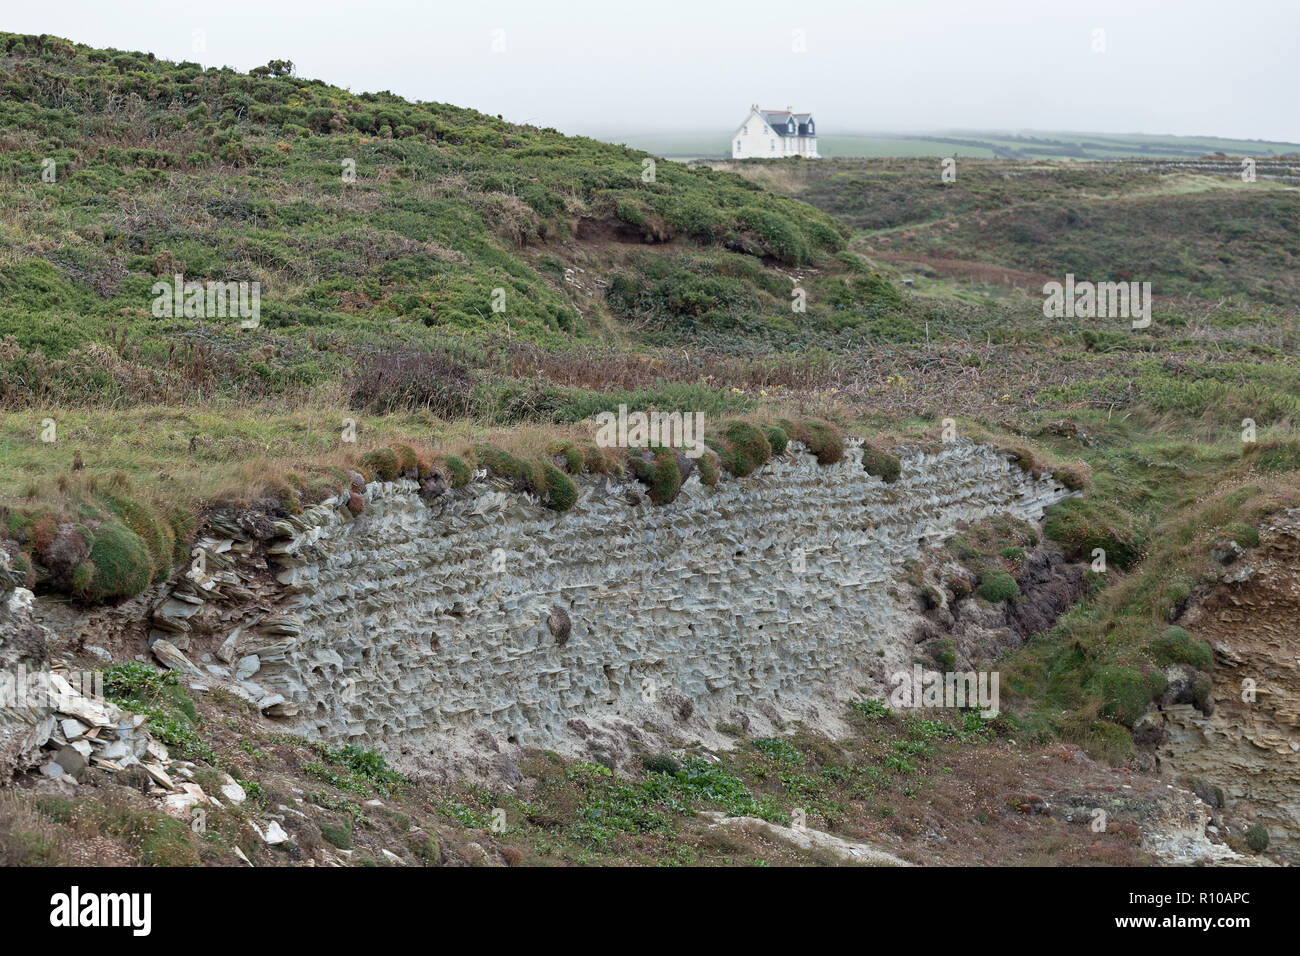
761 141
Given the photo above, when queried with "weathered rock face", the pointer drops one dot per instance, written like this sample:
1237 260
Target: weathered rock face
25 723
1250 749
481 610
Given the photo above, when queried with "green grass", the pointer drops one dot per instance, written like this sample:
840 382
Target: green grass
159 696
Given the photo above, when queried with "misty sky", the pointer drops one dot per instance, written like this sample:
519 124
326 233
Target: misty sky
1190 67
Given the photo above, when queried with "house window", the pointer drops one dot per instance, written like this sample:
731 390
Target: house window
746 130
737 145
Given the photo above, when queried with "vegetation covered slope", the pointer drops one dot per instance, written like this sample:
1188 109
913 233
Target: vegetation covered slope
161 168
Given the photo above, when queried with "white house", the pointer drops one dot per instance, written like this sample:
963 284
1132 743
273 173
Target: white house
773 134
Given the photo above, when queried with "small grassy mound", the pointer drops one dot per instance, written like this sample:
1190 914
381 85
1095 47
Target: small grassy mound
1176 646
461 473
101 542
742 448
1073 477
820 437
536 477
561 491
1126 691
661 475
709 468
574 460
777 438
1022 458
881 464
380 465
1274 457
122 566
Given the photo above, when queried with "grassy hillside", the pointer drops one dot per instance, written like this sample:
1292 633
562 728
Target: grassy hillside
1191 231
164 168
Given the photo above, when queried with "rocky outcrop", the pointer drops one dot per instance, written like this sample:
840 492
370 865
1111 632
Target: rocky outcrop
418 620
959 628
61 722
26 719
1245 752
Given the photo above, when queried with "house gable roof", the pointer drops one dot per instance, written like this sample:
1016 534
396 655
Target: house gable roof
780 121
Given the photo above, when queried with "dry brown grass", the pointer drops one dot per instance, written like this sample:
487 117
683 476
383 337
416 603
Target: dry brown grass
27 837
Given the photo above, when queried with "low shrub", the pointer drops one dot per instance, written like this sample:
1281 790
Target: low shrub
407 379
1257 838
338 834
1243 534
998 586
661 763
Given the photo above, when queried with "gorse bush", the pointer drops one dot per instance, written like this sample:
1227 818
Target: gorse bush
998 586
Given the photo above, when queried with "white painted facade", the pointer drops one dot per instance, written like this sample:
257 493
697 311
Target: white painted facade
775 134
